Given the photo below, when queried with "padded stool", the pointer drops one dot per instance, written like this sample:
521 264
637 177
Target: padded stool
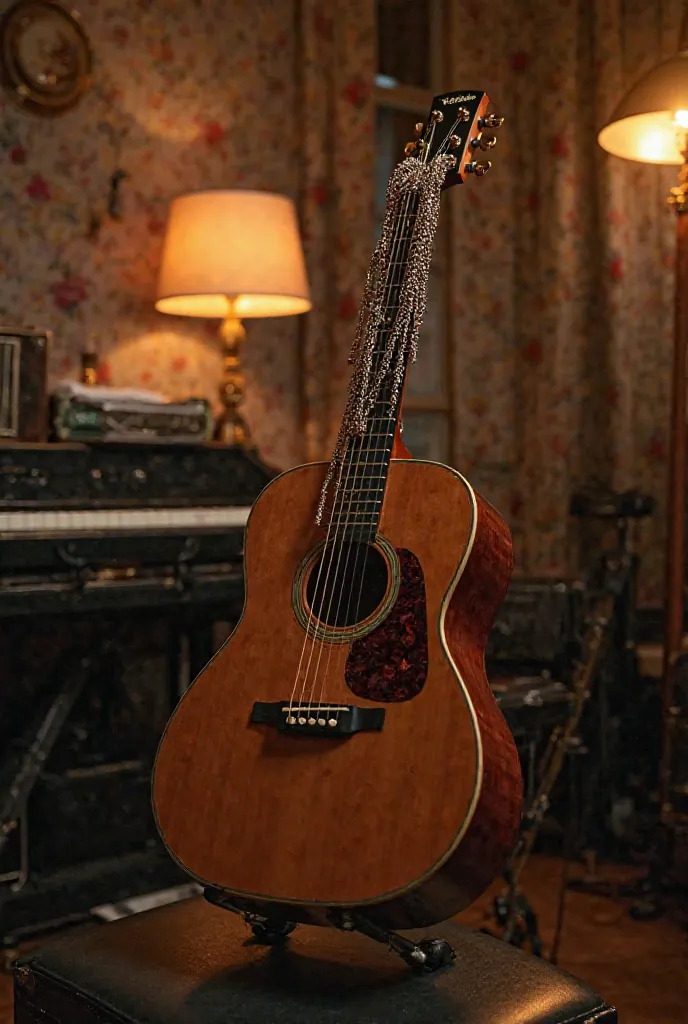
193 963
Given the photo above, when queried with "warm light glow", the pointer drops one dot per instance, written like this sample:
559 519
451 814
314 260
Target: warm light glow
242 306
650 121
232 252
650 138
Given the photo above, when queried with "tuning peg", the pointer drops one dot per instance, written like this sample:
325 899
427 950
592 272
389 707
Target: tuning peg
419 129
479 169
484 141
490 121
454 141
437 116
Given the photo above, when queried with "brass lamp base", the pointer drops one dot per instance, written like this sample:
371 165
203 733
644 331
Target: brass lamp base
231 427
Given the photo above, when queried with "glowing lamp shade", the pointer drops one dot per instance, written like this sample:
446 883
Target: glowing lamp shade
651 121
232 253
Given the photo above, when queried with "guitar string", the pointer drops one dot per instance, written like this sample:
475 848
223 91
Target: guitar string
354 463
393 280
337 498
442 150
311 612
340 527
375 449
341 515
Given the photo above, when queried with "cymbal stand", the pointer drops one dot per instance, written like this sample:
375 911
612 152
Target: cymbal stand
512 909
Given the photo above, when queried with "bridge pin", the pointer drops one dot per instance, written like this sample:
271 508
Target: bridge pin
322 721
302 721
291 720
311 721
332 722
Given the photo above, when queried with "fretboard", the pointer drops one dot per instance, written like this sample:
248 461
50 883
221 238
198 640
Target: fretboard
359 497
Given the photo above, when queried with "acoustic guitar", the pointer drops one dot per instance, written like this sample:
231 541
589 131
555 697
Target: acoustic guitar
342 756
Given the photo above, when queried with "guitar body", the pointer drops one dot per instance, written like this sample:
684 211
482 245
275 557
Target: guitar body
406 824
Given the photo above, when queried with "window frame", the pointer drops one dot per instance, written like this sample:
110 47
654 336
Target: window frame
416 102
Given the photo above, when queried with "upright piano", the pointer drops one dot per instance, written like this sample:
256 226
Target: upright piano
121 572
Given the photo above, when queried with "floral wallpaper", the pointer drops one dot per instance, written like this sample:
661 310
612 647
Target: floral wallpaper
563 275
187 94
562 262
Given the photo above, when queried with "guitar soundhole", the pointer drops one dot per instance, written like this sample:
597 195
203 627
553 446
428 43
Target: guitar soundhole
346 584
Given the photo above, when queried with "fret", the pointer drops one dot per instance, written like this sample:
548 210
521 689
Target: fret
366 504
374 476
358 455
352 486
376 459
356 481
371 520
375 450
355 502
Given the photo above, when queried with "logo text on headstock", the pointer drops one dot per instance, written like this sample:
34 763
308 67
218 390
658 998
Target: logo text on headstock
463 98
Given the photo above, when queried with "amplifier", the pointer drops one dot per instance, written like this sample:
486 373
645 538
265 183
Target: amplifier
539 624
23 375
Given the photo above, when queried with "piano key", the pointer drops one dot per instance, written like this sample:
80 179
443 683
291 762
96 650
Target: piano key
85 521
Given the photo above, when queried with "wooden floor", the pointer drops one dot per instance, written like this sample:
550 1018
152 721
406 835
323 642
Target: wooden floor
641 968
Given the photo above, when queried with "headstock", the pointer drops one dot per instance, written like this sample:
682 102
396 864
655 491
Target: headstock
459 124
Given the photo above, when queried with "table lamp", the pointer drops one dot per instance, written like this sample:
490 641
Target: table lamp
232 254
650 125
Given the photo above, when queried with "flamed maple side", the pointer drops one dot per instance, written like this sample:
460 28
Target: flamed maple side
410 823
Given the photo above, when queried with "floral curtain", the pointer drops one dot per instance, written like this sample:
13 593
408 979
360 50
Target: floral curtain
562 273
335 126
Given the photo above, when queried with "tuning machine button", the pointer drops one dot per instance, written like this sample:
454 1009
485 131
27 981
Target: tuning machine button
484 141
479 169
410 149
419 129
490 121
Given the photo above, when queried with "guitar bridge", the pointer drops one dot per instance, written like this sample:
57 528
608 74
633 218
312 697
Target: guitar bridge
319 719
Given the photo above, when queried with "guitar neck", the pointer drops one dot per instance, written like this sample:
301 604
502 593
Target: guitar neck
358 502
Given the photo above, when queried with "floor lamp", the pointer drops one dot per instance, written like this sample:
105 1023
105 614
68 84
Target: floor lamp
650 125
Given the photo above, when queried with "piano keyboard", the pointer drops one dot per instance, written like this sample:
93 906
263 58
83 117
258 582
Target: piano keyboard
139 520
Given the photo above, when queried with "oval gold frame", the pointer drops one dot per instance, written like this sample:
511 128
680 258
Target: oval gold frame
315 629
31 95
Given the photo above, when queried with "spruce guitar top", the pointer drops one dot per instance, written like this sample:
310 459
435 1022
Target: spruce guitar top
342 754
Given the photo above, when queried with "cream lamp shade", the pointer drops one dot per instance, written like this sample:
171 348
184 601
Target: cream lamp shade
232 253
651 121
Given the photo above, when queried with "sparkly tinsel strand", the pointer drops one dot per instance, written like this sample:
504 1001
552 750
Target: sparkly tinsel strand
410 178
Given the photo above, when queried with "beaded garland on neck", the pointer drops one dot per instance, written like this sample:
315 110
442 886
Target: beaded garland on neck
410 179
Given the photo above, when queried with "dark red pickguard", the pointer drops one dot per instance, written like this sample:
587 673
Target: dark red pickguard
390 664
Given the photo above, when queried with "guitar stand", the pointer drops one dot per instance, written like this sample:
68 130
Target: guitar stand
269 931
428 955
